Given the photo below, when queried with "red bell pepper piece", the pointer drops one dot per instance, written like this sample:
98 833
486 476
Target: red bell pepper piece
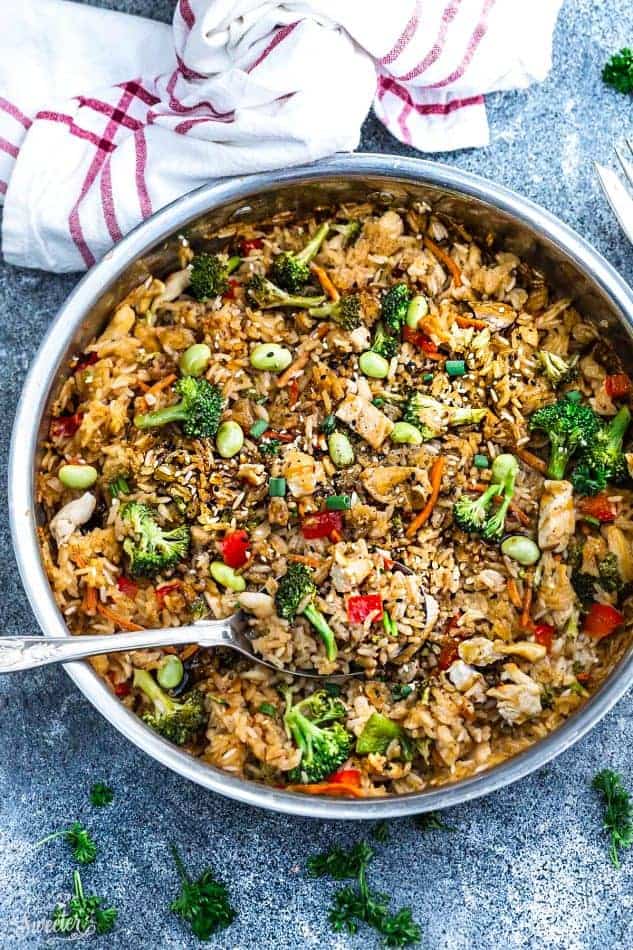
321 524
617 386
122 689
252 244
597 507
544 634
448 654
162 591
235 547
293 392
602 620
233 285
84 361
419 339
359 608
64 427
126 586
345 777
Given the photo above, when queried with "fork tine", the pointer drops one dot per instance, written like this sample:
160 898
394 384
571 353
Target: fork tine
618 197
627 166
629 142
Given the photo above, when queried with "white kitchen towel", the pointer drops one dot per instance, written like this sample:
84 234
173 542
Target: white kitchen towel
106 117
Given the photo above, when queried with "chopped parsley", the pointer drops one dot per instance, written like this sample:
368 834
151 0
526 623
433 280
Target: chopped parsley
101 794
81 843
618 812
82 912
431 821
203 903
618 71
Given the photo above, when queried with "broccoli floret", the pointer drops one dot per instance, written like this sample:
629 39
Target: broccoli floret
377 735
267 295
199 409
603 460
209 275
608 570
291 271
558 369
394 308
570 426
176 720
295 594
321 707
431 416
350 231
384 344
323 749
473 515
151 550
345 312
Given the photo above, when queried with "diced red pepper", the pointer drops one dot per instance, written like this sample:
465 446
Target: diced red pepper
419 339
235 548
126 586
64 427
359 608
293 392
233 285
544 634
602 620
321 524
448 654
252 244
618 385
162 591
597 507
84 361
122 689
345 777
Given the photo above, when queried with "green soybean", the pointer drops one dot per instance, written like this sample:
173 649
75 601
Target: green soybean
229 439
195 360
418 308
406 433
77 476
373 365
227 577
521 549
170 672
271 357
340 449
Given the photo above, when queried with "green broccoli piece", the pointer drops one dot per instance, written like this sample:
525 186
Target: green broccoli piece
209 275
295 594
323 749
292 271
394 308
431 417
385 344
350 231
584 585
608 578
345 312
151 550
558 369
618 71
119 486
570 426
321 707
178 721
473 515
267 296
199 409
378 733
603 460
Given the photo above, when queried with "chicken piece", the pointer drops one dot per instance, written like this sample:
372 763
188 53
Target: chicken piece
351 566
366 420
380 481
119 326
521 648
594 551
260 605
175 285
499 316
478 651
556 596
557 518
278 512
518 698
252 473
302 473
71 516
462 676
620 546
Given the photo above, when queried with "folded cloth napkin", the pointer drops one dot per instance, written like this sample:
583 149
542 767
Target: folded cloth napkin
106 117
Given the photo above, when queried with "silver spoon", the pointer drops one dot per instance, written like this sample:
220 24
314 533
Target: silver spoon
26 653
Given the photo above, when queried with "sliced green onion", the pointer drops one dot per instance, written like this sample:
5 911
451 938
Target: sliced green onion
574 395
481 461
338 503
258 428
390 625
455 367
277 487
267 709
427 378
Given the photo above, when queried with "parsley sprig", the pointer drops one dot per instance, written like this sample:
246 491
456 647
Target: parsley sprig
431 821
203 903
618 812
82 845
101 794
618 71
360 904
82 912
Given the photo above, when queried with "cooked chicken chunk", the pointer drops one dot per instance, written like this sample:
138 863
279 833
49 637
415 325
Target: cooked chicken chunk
381 480
518 698
351 566
369 423
556 521
302 473
621 548
71 516
556 596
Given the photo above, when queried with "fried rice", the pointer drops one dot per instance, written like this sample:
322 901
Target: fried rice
474 656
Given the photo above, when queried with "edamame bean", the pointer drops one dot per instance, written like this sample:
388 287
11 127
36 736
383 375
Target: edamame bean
271 357
170 672
340 449
418 308
229 439
373 365
227 577
77 476
521 549
195 360
406 433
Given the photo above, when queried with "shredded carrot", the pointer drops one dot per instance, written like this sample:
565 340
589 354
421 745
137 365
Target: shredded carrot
532 460
324 279
513 594
293 393
520 515
161 384
116 618
526 619
471 322
322 330
327 788
335 536
294 369
189 651
444 258
89 602
437 470
280 436
143 386
314 562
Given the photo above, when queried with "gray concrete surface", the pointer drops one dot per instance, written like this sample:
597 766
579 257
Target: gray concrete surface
526 867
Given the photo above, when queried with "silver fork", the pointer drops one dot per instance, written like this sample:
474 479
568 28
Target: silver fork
617 194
